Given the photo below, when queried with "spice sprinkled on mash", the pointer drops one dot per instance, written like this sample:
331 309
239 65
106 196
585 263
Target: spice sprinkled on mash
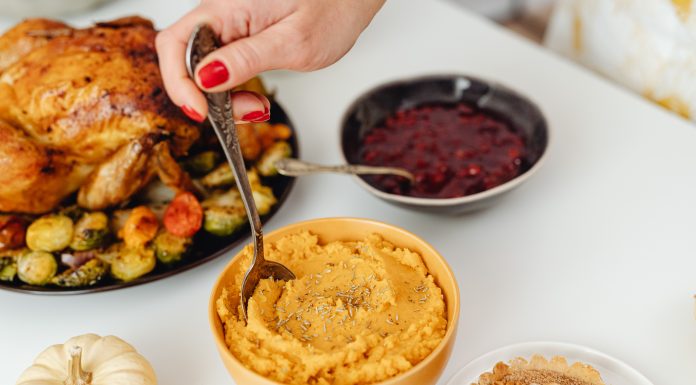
358 313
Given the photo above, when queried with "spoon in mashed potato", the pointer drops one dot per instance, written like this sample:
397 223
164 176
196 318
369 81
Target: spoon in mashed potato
202 42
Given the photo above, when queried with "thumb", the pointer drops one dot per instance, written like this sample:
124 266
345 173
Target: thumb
239 61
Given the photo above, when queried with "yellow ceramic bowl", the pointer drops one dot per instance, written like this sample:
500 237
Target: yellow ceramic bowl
427 371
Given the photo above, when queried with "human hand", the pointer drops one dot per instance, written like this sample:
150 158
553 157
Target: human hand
258 35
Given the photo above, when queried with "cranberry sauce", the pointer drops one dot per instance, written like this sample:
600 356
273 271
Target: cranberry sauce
453 150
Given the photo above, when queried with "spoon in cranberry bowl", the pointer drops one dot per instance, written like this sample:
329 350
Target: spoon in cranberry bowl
295 167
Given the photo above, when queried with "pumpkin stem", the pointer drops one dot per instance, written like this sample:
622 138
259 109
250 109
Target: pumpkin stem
76 376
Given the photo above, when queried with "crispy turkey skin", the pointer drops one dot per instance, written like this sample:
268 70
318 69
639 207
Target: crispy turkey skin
83 110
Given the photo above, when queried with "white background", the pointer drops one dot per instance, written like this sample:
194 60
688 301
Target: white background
597 249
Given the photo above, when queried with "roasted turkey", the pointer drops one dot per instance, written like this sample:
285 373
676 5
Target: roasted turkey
84 110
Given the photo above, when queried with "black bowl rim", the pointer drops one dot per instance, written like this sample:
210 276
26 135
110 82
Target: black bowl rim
458 201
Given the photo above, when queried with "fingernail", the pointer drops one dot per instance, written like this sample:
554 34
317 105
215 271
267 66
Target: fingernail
262 118
193 114
254 115
213 74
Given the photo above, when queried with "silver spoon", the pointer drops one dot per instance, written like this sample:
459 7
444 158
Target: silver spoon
202 42
294 167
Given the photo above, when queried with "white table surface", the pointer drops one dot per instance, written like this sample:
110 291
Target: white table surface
598 249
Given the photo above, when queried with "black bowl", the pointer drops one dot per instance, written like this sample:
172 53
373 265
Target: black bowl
373 107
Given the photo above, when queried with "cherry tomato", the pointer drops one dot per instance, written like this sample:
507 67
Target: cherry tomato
184 215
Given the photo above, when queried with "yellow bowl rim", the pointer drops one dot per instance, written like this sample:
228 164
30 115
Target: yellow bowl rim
451 326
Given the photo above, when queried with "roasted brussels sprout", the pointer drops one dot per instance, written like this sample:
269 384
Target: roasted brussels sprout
231 198
201 163
277 151
37 267
224 220
221 176
140 227
8 268
12 232
50 233
85 275
264 199
132 262
91 231
170 248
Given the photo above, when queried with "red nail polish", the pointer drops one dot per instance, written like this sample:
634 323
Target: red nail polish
251 116
193 114
213 74
262 118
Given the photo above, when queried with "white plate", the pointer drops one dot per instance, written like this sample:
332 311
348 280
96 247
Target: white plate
613 371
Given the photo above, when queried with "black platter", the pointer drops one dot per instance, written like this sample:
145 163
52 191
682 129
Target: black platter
206 247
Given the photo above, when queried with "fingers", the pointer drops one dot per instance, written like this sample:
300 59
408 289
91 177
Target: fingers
241 60
250 107
171 49
247 107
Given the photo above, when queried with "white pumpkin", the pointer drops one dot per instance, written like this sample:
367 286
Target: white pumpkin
90 360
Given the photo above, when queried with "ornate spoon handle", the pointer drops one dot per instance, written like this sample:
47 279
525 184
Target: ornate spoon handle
294 167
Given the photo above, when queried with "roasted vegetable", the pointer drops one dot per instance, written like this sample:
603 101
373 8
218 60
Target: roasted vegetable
184 215
170 248
224 220
249 141
12 231
269 133
221 176
266 164
230 198
36 267
73 212
253 177
85 275
110 254
50 233
76 259
201 163
8 268
91 231
224 212
264 199
156 192
117 220
140 227
132 262
8 263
